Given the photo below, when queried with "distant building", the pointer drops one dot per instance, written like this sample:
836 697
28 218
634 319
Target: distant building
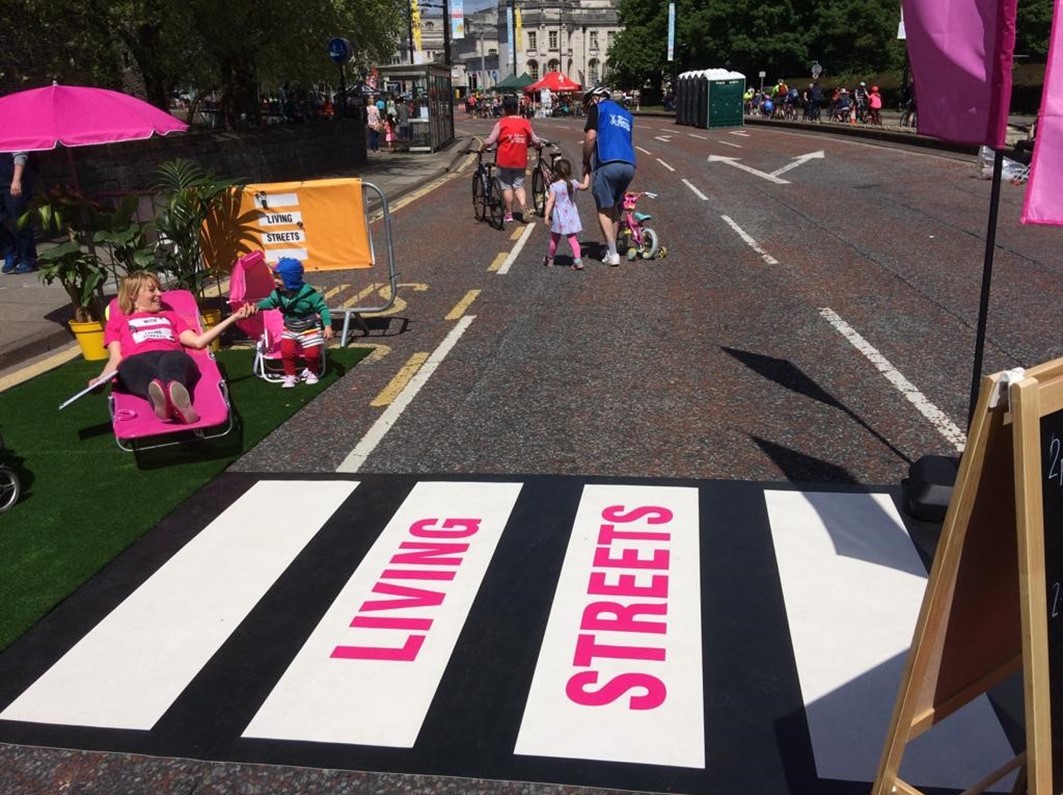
569 36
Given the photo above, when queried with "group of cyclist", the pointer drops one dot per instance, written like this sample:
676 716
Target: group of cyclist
861 106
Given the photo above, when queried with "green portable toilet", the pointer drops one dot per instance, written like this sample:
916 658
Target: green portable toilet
725 102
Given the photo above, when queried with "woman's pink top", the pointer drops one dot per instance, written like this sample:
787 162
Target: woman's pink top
142 332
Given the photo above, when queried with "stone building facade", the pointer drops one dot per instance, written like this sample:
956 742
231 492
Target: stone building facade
569 36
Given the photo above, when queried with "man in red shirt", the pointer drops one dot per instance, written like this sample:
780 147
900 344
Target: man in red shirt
513 133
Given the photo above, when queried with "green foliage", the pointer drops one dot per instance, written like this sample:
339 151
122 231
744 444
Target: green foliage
190 196
233 46
74 262
780 37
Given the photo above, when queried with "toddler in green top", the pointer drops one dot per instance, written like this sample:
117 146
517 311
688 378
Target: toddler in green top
307 321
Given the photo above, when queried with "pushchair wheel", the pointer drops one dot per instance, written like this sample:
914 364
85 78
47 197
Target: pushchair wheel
10 488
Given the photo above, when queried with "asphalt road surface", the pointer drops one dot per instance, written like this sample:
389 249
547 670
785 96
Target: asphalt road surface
814 321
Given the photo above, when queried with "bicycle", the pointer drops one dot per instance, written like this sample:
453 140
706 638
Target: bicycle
10 486
486 195
543 175
635 238
908 117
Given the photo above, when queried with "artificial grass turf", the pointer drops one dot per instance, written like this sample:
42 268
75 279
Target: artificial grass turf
84 500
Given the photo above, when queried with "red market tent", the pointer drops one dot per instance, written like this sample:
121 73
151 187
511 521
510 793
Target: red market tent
555 81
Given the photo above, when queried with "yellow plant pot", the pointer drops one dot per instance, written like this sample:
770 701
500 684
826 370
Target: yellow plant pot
210 318
90 338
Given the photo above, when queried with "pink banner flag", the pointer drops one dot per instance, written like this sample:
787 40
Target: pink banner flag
1044 198
961 53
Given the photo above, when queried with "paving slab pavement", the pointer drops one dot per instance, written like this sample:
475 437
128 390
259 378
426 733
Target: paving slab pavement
33 315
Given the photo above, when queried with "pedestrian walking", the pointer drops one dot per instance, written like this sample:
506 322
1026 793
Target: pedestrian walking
561 214
513 134
609 156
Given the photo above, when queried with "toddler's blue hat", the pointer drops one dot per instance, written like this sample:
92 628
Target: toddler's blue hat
291 272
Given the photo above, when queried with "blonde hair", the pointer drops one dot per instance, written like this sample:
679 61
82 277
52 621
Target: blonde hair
130 286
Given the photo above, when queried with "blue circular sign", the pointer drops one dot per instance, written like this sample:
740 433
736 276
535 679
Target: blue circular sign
339 50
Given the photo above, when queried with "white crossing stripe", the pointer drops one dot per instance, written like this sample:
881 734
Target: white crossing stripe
697 192
132 666
369 671
619 675
853 584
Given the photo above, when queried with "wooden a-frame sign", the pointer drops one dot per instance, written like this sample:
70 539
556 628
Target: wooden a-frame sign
993 604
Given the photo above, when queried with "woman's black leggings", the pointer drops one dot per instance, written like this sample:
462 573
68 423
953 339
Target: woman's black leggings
137 371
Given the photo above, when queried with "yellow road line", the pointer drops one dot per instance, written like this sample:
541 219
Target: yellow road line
335 291
398 204
517 232
462 305
499 259
24 374
402 377
356 299
377 351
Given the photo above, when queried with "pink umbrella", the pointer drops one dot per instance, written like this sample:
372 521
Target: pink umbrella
41 118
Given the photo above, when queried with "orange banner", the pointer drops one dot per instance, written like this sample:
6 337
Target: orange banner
321 222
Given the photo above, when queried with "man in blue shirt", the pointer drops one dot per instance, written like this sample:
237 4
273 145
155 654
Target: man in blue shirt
609 154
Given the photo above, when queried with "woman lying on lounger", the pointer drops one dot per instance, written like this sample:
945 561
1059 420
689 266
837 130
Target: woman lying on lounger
147 348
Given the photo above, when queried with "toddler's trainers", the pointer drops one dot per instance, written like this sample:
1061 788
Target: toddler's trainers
577 264
548 262
289 382
507 218
310 378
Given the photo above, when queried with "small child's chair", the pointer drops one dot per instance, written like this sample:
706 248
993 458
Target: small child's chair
251 281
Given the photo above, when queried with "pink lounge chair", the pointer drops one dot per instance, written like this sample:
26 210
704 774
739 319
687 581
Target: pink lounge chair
134 422
251 281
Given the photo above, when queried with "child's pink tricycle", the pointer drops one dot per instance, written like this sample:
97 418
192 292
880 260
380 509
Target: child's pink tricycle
637 239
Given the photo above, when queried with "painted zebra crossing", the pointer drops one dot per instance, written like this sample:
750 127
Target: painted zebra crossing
687 636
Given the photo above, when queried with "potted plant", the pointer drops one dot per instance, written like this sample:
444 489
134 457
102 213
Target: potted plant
79 269
196 208
84 230
198 219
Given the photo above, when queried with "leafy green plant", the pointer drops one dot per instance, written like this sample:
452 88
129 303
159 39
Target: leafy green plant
192 199
119 233
73 262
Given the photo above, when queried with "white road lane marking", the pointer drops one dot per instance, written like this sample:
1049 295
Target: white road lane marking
665 164
664 138
733 162
357 457
644 151
504 267
739 132
753 244
697 192
937 417
695 135
798 161
729 143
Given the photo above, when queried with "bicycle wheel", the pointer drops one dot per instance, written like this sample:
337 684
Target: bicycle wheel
479 206
494 206
9 488
539 190
649 243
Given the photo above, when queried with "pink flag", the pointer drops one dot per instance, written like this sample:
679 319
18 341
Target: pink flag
1044 198
961 53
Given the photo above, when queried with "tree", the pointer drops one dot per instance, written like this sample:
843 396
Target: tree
1033 25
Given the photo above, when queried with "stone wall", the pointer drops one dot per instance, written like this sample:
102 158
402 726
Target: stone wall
275 153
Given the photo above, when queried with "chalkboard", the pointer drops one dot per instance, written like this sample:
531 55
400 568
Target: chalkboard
994 600
1052 520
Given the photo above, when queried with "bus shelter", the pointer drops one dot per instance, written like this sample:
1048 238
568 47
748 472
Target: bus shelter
430 88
